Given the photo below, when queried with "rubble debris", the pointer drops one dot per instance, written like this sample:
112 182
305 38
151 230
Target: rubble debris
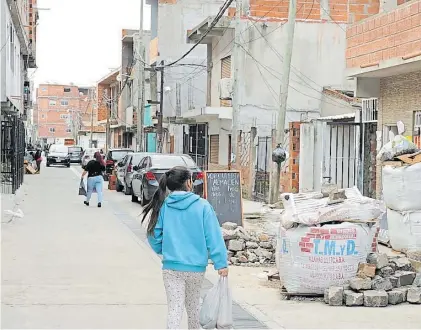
376 298
387 286
246 248
414 295
378 259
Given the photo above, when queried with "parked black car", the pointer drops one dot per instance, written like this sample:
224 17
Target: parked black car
58 155
112 157
152 167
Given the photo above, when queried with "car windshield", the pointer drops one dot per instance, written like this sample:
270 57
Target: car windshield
168 161
137 158
75 149
119 154
59 148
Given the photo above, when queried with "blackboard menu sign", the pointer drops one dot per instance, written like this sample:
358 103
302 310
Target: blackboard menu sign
223 192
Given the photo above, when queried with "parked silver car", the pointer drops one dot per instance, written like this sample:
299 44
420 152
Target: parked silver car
88 155
125 171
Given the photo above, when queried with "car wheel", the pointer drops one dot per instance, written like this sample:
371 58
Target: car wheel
48 164
119 187
68 165
144 200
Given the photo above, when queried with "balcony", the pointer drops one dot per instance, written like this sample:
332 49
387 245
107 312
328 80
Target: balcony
386 44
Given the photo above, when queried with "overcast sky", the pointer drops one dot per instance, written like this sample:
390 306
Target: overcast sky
79 41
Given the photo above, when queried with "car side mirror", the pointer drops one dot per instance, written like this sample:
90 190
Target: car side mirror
136 168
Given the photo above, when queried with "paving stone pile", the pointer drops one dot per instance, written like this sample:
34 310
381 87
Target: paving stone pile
246 248
381 281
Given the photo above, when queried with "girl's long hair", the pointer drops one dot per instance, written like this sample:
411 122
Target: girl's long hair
174 179
98 158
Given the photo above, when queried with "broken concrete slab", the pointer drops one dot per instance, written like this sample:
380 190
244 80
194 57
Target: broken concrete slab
352 298
414 295
359 284
379 259
396 297
376 298
402 263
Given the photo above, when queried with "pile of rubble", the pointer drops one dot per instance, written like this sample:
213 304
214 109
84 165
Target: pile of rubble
246 248
380 282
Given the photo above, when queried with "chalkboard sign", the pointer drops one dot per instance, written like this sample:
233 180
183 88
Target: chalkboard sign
223 192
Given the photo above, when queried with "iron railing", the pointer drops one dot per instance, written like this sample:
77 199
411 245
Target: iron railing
12 153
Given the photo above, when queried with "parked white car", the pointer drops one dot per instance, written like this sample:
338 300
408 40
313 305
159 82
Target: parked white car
88 155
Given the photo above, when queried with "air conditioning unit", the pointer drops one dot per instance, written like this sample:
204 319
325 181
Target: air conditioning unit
225 89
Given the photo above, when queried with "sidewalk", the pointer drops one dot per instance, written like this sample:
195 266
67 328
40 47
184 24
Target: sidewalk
69 266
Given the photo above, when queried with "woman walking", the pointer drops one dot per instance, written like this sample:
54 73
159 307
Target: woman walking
94 168
38 160
183 228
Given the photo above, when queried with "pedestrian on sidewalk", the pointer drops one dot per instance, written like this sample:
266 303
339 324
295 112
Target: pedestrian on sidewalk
94 168
38 160
184 229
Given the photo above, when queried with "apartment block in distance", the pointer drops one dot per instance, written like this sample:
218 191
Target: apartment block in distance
59 112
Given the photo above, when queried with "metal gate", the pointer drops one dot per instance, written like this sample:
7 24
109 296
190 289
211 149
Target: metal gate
195 144
341 154
12 153
262 176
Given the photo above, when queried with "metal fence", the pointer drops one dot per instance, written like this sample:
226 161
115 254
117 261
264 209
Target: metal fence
262 176
12 153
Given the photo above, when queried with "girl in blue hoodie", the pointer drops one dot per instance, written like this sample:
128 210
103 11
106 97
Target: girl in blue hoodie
183 228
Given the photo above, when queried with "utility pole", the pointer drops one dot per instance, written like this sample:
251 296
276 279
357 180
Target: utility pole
141 84
161 109
280 127
92 116
107 127
236 94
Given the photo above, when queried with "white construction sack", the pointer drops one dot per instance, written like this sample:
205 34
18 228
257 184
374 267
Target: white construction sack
404 229
311 259
402 187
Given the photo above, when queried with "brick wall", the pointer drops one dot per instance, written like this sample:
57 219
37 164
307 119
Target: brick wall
385 36
102 106
399 98
340 11
53 116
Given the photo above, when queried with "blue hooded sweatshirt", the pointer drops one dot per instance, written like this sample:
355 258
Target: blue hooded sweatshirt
187 232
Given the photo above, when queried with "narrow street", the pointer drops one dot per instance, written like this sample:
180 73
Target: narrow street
65 265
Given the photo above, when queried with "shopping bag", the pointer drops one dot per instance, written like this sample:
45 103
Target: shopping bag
210 307
82 189
224 320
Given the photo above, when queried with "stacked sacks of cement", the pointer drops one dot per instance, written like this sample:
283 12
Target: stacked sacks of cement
402 196
321 242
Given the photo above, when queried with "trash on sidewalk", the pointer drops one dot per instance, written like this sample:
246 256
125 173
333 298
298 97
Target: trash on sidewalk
18 213
321 244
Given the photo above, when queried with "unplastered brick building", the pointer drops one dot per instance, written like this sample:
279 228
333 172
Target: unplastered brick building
384 56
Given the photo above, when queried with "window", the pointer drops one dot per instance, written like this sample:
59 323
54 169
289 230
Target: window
67 89
52 130
52 102
64 102
68 130
64 116
43 116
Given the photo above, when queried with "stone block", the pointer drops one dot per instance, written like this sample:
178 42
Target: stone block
359 284
336 296
229 234
234 261
264 238
229 225
352 298
326 296
230 254
404 290
417 280
414 295
374 298
266 245
380 283
262 253
251 256
391 265
243 259
236 245
404 277
394 280
252 245
396 297
366 270
402 263
378 259
386 271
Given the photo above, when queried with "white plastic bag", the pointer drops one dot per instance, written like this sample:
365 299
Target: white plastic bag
225 306
404 229
399 145
210 308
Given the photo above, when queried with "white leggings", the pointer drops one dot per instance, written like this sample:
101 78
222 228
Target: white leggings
183 289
